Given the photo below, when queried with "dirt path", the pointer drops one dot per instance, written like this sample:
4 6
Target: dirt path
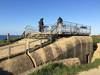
95 71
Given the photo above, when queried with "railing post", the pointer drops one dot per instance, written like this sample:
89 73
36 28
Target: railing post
28 46
90 30
25 46
9 52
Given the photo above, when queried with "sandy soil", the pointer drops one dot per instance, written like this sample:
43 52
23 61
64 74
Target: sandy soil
95 71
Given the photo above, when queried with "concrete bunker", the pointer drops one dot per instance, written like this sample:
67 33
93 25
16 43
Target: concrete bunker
75 46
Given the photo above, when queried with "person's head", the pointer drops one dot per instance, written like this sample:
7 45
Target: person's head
60 20
41 19
59 17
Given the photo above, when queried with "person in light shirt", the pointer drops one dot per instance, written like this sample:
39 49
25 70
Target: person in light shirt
59 25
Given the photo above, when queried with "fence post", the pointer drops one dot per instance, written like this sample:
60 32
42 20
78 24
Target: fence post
8 38
9 52
27 45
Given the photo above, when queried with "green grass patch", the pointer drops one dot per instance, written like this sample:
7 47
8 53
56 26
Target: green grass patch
60 69
96 39
12 40
3 42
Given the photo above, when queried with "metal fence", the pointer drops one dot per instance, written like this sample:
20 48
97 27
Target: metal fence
71 28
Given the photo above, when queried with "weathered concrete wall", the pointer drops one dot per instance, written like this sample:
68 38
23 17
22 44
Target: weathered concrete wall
16 65
76 46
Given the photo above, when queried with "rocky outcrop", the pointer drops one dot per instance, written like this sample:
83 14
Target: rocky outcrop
96 54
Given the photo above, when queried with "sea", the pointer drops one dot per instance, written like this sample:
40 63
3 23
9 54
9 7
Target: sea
4 37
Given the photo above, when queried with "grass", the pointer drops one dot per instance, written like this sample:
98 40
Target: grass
60 69
96 39
12 40
3 42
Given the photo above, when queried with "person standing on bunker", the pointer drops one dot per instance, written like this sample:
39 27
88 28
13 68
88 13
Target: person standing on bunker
41 25
59 25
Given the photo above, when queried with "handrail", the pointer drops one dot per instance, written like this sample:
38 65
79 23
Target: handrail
11 46
31 58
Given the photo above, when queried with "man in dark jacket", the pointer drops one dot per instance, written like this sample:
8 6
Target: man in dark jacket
60 20
41 25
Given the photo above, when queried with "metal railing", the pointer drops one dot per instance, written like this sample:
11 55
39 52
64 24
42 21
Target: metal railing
71 28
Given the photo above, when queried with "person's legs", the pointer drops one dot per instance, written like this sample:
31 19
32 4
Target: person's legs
59 29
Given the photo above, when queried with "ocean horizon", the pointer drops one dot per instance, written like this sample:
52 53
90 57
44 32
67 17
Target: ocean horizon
4 37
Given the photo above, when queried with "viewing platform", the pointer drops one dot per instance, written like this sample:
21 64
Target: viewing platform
67 29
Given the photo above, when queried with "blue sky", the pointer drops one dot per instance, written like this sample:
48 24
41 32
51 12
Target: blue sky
16 14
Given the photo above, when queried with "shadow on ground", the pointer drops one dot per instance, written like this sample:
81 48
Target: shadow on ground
3 72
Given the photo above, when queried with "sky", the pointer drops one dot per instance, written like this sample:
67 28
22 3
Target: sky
16 14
